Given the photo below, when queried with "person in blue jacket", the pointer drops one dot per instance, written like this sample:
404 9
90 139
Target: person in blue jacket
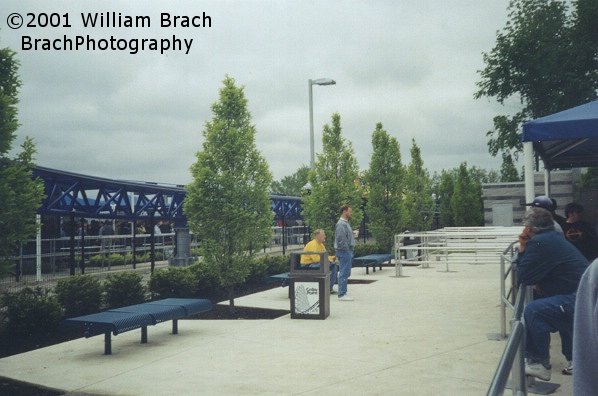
585 334
553 266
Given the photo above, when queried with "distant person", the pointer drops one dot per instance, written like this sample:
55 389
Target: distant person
549 204
557 217
585 334
165 227
580 233
313 260
107 231
94 228
344 243
553 266
124 228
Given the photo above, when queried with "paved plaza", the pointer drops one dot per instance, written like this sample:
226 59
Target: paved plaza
422 334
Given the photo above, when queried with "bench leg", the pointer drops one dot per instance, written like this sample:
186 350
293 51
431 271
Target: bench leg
175 326
367 269
144 334
107 344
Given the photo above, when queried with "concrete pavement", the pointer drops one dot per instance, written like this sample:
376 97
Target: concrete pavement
422 334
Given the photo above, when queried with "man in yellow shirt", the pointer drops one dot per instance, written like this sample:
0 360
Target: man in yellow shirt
313 260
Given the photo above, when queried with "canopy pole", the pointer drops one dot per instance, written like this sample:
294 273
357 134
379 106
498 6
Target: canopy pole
528 156
547 182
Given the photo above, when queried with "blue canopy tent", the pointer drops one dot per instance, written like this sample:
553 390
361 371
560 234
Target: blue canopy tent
567 139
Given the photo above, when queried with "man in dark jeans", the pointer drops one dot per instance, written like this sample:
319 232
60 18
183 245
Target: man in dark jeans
554 267
344 244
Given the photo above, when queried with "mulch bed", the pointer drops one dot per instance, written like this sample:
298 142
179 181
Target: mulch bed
222 311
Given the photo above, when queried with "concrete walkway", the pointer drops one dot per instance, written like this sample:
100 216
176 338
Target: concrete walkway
423 334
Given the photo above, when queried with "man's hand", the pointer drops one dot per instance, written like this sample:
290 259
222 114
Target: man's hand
525 236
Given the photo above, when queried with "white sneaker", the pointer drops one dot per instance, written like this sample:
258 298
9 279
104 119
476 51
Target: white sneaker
537 370
345 298
568 370
332 291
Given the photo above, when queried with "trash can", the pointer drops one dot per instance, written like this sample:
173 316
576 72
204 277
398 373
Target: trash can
309 288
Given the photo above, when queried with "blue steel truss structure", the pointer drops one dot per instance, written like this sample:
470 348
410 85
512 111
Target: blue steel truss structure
69 193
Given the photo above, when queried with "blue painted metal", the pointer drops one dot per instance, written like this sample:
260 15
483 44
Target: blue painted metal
286 208
96 197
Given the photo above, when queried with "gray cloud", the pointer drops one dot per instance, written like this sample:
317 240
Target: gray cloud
410 65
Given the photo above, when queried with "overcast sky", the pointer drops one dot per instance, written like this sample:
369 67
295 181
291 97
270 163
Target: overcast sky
410 64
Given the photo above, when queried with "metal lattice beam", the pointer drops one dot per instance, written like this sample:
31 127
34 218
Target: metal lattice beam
95 197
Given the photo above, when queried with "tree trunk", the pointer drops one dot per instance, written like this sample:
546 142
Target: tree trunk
231 299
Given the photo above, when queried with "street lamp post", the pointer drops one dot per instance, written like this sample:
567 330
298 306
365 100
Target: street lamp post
319 81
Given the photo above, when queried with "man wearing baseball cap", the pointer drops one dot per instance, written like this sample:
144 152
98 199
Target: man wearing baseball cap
544 202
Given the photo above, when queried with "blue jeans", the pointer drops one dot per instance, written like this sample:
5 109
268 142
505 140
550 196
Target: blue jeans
333 274
549 315
345 258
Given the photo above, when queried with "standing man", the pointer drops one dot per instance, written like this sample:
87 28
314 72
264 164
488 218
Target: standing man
344 243
313 260
554 267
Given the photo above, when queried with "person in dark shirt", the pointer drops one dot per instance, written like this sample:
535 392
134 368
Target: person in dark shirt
580 233
554 267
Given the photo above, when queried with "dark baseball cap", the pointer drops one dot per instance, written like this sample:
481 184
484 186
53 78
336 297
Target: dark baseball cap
542 201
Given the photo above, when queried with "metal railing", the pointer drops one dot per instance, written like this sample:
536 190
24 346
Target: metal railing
44 261
507 294
512 362
458 245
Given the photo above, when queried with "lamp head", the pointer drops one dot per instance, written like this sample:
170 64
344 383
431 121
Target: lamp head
323 81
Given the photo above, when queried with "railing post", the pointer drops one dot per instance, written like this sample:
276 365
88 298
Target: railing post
82 262
72 246
38 249
518 369
503 305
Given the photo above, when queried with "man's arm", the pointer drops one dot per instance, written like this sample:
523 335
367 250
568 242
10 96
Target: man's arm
530 268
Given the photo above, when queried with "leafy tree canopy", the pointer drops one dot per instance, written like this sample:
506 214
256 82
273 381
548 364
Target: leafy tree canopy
228 204
334 182
546 57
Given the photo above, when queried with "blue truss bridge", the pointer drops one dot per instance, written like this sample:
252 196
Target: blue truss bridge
74 195
69 193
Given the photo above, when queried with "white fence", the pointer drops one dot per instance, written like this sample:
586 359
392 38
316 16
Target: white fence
453 245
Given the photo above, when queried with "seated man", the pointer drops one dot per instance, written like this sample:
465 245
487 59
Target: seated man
580 233
554 267
313 260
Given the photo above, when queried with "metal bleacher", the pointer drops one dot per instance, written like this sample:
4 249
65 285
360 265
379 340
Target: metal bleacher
453 245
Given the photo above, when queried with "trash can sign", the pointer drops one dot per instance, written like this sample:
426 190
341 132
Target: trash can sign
307 298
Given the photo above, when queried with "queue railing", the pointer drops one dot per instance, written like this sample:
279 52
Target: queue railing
512 362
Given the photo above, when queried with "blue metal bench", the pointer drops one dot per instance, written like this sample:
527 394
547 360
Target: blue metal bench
372 260
120 320
283 279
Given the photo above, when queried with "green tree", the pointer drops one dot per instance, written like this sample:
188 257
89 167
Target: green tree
384 180
334 182
444 190
419 206
466 202
20 194
508 170
228 204
546 57
291 185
